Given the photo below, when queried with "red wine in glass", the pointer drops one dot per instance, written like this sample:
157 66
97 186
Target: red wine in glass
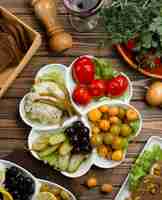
83 13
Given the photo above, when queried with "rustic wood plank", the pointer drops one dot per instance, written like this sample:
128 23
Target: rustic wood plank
13 132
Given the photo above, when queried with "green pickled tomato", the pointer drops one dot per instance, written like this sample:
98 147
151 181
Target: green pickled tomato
115 129
125 130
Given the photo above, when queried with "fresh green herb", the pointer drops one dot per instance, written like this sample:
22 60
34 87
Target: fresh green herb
104 69
135 126
138 20
122 22
143 165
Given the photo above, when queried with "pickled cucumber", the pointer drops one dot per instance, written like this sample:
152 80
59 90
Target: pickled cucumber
64 162
50 159
49 150
75 162
54 162
57 139
65 148
39 146
42 143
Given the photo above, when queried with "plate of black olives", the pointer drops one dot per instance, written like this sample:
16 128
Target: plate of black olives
16 183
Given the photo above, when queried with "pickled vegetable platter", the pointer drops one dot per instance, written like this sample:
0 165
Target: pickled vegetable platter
78 121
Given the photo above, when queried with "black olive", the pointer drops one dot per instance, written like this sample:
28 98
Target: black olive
78 124
70 131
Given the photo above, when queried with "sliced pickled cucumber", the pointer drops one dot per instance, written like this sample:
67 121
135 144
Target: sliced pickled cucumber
57 138
64 162
39 146
75 162
49 158
48 150
41 143
65 148
54 162
64 195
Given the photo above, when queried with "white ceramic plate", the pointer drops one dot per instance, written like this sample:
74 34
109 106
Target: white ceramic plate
71 84
38 182
36 125
84 167
8 164
41 181
124 191
101 162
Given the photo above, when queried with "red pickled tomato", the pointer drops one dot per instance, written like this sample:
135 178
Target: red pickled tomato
116 86
81 95
97 88
83 70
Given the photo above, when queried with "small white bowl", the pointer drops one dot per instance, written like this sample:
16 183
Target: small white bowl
99 161
9 164
41 181
22 112
84 167
71 84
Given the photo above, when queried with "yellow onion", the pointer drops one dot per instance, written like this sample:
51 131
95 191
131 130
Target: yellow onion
154 94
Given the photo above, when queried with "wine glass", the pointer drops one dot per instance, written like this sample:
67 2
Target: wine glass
84 14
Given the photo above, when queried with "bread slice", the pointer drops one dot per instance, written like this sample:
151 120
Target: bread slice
6 53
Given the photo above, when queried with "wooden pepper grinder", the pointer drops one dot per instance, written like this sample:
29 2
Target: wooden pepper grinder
59 40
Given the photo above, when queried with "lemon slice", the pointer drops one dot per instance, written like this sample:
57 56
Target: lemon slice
6 195
46 196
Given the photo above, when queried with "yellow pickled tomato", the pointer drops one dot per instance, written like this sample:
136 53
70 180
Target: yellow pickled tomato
94 115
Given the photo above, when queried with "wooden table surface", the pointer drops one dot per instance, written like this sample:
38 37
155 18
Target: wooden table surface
13 132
